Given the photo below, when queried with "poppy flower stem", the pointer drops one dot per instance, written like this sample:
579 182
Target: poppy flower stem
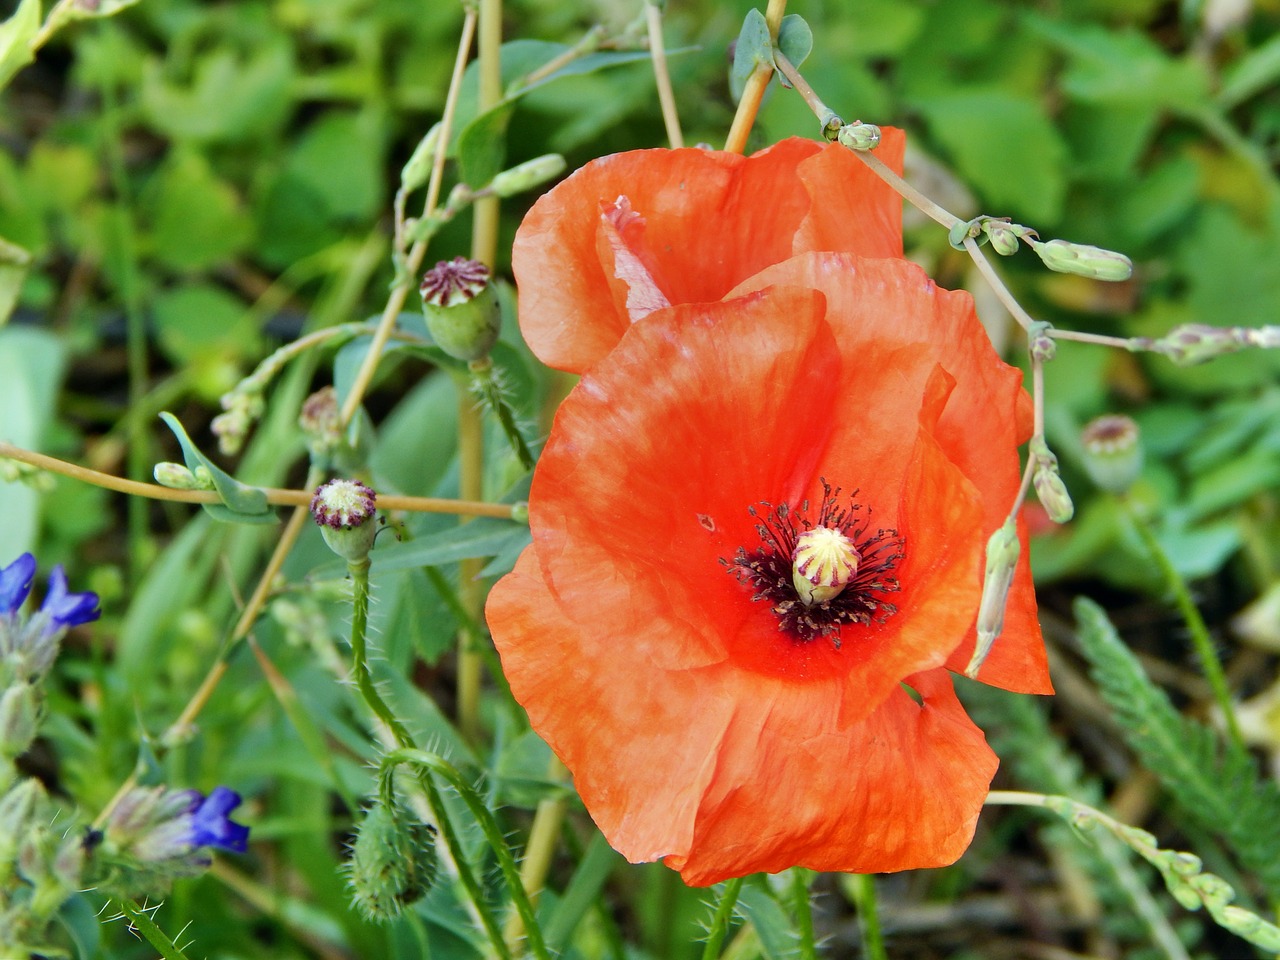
661 75
800 880
864 895
720 920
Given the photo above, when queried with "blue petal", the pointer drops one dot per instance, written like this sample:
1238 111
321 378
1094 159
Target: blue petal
210 826
15 582
67 609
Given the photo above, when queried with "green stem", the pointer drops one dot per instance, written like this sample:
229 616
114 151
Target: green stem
800 880
720 922
141 921
430 763
1196 627
864 895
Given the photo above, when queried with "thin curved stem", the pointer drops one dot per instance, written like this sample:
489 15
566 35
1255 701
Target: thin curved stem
413 261
275 495
661 75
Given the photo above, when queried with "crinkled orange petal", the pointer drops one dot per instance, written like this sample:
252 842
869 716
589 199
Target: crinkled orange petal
706 221
792 785
723 781
874 304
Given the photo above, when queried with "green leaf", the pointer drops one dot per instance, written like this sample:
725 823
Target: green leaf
482 146
16 35
753 48
1216 782
31 369
1005 146
482 537
197 219
1256 71
80 920
13 271
795 39
240 502
777 937
584 887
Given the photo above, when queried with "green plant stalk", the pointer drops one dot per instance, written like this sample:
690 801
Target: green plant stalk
138 457
1196 627
720 921
800 880
541 848
864 895
141 920
430 763
359 570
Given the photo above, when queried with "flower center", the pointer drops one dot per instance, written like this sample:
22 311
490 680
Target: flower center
822 574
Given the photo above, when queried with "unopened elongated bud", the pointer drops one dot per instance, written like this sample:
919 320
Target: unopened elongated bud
19 719
859 135
1193 343
1112 452
527 175
1049 486
417 170
1002 561
1083 260
461 308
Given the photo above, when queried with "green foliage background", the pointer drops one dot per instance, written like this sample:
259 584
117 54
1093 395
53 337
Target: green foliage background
220 175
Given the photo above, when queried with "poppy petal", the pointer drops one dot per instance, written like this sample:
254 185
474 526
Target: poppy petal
699 221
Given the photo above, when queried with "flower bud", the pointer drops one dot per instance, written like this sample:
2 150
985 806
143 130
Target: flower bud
1041 346
859 135
824 562
1112 452
417 170
344 510
1004 239
1049 486
1002 561
527 175
19 719
1212 888
1083 260
1193 343
461 308
393 863
20 808
1253 928
176 476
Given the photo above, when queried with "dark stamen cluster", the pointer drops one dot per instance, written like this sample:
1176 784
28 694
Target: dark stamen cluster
767 569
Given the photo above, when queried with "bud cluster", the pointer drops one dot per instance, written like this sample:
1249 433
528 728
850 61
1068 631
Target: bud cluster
243 406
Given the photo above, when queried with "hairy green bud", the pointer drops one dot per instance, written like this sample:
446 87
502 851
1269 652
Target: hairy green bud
393 862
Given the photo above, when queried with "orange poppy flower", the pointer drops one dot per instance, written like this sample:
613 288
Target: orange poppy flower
634 232
655 630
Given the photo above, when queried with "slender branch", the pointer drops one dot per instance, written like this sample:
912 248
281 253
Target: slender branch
1100 339
753 90
1025 320
275 495
666 96
413 262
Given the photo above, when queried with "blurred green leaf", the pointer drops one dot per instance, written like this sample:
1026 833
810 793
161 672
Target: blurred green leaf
778 938
196 218
482 537
795 39
31 371
16 35
482 146
340 158
13 271
1254 72
1006 147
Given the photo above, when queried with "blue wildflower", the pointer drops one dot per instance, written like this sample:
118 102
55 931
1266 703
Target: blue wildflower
210 826
15 583
66 609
